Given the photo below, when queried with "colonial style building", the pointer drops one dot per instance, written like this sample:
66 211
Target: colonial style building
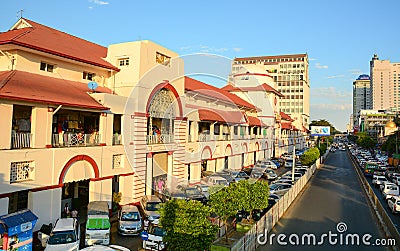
81 121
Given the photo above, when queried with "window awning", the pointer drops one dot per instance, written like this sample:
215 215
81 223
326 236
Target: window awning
228 117
254 121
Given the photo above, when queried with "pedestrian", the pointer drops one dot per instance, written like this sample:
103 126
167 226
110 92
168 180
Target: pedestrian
74 213
146 223
66 211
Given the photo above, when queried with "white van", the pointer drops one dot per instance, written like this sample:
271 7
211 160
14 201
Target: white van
390 190
64 236
97 224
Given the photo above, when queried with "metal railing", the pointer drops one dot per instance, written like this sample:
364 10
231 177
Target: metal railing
21 140
159 139
75 139
204 137
116 139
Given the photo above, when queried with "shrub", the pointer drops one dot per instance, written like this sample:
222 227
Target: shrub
310 156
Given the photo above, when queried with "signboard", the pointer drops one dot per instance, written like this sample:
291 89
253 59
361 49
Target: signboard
144 235
320 130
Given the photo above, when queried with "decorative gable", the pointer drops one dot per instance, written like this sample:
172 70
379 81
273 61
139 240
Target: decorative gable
20 24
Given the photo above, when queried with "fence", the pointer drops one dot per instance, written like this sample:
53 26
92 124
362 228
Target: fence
268 221
21 140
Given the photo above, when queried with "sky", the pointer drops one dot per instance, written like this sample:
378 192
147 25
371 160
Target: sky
340 36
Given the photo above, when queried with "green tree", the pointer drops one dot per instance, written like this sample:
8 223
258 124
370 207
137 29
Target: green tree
310 156
365 141
225 203
187 225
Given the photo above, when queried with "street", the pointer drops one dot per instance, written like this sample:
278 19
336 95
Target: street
332 202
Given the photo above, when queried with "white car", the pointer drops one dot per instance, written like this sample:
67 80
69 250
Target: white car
64 236
266 164
155 238
390 190
106 248
279 188
377 180
394 204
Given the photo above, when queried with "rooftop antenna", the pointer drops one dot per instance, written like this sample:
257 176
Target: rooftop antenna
20 12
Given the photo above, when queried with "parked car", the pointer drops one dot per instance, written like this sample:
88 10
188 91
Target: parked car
377 180
289 163
203 188
283 180
106 248
129 220
193 193
390 190
266 164
288 175
270 174
150 205
279 188
155 238
65 235
394 204
216 180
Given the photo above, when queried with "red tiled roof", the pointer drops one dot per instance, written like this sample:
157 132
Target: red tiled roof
254 121
212 91
284 116
286 125
262 87
49 40
19 85
231 117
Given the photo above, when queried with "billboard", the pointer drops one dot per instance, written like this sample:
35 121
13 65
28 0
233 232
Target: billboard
320 130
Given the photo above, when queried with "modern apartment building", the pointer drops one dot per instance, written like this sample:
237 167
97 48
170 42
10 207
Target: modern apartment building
385 84
81 121
291 77
362 98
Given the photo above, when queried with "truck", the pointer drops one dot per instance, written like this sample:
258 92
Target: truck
97 224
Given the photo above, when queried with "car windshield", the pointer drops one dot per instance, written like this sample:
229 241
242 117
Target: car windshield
152 206
204 188
64 237
398 202
192 191
156 230
130 216
273 186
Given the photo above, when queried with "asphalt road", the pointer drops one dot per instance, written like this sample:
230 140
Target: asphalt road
332 199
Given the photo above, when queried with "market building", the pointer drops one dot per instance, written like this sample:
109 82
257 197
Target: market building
81 121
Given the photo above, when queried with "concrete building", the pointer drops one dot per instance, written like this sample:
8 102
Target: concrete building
373 122
81 121
362 98
290 73
385 84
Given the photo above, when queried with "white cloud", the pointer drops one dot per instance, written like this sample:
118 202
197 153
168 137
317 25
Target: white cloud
237 49
99 2
327 107
330 92
312 59
319 66
336 76
356 72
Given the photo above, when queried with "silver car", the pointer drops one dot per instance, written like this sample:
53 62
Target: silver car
129 220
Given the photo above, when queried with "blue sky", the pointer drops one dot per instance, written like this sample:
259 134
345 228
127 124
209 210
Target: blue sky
340 36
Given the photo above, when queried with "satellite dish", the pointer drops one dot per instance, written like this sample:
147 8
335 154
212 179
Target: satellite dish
92 85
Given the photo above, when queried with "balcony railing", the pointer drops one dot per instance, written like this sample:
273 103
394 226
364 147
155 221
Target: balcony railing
21 140
75 139
116 139
159 139
204 137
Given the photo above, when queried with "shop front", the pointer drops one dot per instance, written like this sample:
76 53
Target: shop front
16 230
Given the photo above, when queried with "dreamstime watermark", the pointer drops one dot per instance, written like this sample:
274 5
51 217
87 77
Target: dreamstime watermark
333 238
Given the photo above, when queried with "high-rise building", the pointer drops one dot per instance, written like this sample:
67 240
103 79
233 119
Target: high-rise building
290 73
362 99
385 84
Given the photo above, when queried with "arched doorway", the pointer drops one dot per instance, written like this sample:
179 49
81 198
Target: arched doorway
75 179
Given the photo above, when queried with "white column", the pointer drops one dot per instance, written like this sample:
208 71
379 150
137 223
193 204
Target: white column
170 175
126 189
149 174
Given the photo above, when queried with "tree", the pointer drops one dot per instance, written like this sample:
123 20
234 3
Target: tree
187 225
225 203
365 141
310 156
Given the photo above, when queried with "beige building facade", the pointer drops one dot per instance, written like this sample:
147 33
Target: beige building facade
82 122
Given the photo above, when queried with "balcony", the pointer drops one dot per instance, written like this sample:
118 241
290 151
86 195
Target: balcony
75 140
159 139
21 140
116 139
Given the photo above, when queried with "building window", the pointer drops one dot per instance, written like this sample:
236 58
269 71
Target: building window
46 67
162 59
118 161
88 75
21 171
123 62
